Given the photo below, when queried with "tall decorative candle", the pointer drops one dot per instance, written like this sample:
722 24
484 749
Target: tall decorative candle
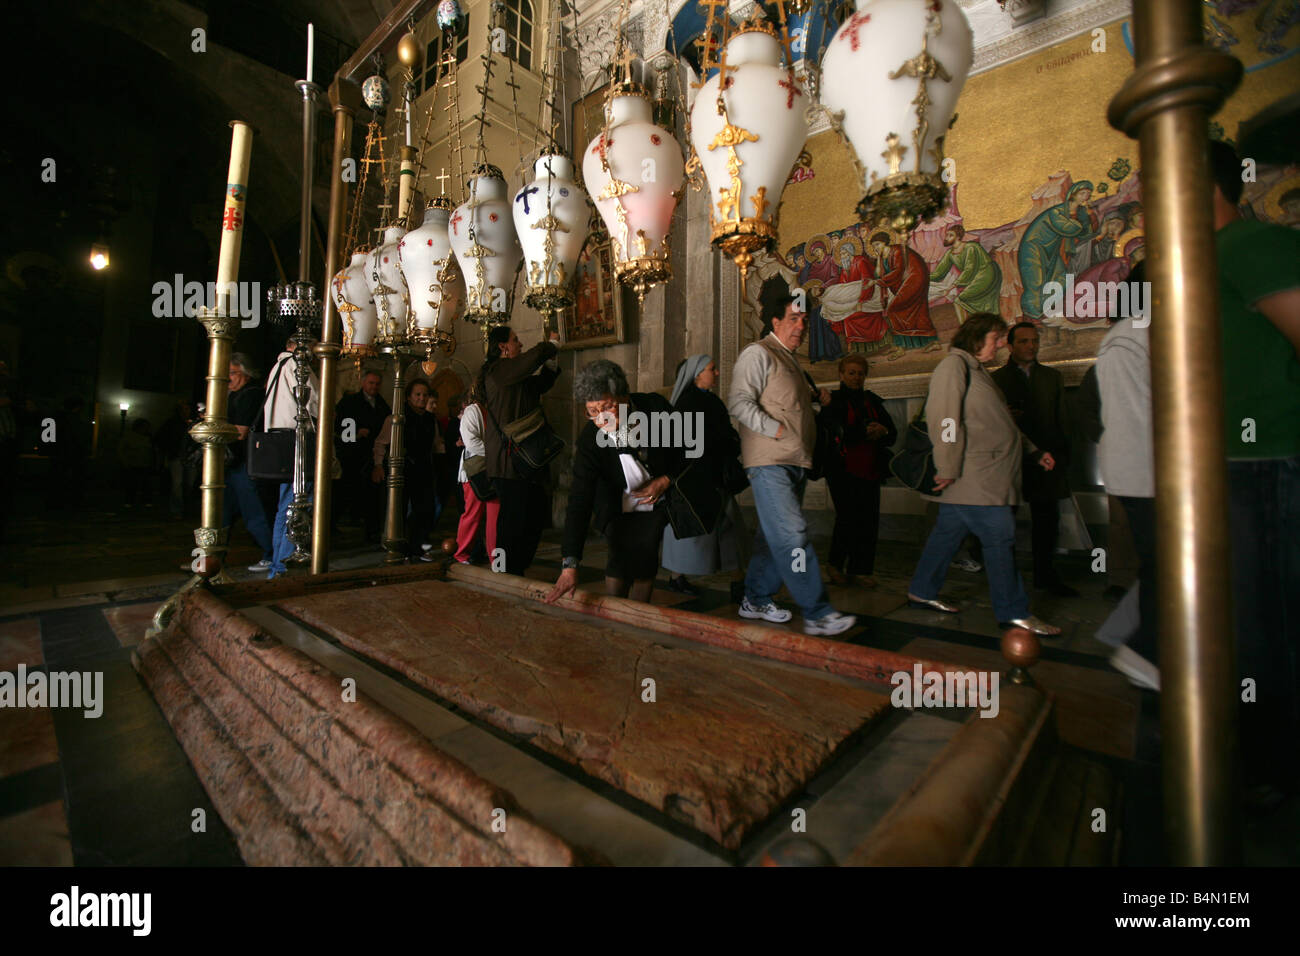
311 50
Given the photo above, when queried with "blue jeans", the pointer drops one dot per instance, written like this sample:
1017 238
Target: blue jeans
241 500
782 552
282 547
995 526
1264 521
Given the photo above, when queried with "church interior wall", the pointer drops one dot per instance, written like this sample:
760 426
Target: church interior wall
1027 129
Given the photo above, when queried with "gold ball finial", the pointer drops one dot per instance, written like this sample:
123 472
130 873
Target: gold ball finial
1021 648
408 51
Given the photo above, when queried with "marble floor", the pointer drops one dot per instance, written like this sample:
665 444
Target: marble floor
78 589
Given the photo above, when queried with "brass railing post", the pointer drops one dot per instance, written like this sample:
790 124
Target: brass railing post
395 516
331 334
1176 85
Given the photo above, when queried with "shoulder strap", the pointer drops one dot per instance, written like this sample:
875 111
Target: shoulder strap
487 407
259 423
966 391
919 417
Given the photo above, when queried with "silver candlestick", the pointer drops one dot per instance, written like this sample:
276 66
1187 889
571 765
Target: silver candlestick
295 303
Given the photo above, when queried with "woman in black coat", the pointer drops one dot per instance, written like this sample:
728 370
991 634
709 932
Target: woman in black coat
704 481
620 477
861 434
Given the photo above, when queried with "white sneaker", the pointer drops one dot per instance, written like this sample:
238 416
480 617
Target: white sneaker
968 564
263 565
1139 671
832 623
768 612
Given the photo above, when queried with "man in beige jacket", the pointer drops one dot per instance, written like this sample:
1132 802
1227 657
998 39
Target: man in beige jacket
977 458
773 404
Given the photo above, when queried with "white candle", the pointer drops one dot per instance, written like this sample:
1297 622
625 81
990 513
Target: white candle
311 51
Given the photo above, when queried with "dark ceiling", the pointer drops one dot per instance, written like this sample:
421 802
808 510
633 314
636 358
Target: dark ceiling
140 142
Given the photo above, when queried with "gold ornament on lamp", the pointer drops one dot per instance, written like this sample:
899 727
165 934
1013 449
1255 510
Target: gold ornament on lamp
408 52
635 172
895 111
747 130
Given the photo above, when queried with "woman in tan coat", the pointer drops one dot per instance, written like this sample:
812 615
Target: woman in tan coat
977 458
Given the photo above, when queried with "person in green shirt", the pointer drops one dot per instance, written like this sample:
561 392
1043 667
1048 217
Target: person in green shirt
979 278
1259 303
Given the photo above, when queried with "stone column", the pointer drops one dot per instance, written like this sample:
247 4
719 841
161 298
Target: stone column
650 340
700 278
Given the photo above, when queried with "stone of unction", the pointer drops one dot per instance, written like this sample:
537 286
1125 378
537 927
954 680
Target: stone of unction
727 740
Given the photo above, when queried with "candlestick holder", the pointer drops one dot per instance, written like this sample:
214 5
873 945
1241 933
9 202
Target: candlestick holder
296 304
395 538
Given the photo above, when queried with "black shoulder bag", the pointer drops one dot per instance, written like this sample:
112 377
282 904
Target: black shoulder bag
476 472
270 452
914 463
530 441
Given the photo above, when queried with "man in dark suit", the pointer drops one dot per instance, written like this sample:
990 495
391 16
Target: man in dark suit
366 411
1036 396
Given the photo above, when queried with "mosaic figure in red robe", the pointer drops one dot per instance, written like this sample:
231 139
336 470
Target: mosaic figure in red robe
904 279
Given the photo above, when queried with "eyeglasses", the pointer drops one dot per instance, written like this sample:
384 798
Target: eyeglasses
604 408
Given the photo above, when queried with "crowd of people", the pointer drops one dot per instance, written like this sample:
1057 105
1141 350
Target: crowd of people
999 437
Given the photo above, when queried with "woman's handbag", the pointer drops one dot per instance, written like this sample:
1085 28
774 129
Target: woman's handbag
477 476
690 519
734 479
532 441
270 452
914 463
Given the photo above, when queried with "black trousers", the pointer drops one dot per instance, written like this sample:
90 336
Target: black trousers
421 508
359 497
1141 514
1044 517
525 510
1264 521
857 523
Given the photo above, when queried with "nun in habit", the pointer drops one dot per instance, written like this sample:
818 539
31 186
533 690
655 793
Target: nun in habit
709 483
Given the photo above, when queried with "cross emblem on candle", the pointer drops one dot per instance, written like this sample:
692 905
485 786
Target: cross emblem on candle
442 178
856 22
524 193
455 223
793 91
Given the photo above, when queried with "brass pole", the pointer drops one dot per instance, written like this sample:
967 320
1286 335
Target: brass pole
331 336
394 521
215 432
1176 85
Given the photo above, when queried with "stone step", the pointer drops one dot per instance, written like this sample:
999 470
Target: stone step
303 774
